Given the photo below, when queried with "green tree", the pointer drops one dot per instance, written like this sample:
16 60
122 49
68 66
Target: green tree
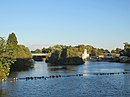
117 51
65 55
127 49
7 57
12 40
93 52
113 51
46 50
23 52
38 51
55 57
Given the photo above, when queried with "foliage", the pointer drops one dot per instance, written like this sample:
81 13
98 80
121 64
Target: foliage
102 51
127 49
7 57
117 51
20 50
46 50
23 52
37 51
12 40
23 59
123 52
55 57
11 53
78 49
65 55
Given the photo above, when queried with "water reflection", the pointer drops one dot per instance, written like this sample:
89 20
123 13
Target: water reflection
70 69
44 69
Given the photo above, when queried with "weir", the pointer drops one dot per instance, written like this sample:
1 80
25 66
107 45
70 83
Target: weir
61 76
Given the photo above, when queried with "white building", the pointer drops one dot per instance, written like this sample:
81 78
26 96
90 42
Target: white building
85 55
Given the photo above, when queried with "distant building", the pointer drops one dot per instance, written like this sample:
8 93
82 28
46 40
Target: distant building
115 55
112 55
100 56
85 55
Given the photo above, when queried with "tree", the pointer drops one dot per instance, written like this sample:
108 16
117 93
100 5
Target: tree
126 45
7 57
12 40
65 55
93 52
23 52
106 51
127 49
37 51
113 51
117 51
46 50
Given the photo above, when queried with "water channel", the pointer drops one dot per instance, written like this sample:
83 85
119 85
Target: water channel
100 79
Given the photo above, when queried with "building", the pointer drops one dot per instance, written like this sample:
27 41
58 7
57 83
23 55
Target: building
85 55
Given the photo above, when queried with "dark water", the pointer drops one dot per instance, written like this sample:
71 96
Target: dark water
89 85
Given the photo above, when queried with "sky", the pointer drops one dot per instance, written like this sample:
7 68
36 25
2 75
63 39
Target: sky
42 23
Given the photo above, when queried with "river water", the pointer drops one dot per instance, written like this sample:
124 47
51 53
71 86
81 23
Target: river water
100 79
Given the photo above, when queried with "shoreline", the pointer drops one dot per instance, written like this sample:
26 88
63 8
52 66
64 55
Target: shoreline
119 60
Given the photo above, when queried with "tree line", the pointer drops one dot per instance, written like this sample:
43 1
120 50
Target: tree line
77 50
62 54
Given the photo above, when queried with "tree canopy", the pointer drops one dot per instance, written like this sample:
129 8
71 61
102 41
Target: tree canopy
12 39
127 49
23 52
7 57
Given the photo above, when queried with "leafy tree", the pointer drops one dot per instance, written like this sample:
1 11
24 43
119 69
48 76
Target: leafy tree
106 51
12 40
126 45
38 51
55 57
93 52
127 49
12 53
102 51
23 52
7 57
117 51
65 55
121 52
20 50
44 50
113 51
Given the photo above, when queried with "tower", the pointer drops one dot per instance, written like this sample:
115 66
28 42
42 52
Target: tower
85 55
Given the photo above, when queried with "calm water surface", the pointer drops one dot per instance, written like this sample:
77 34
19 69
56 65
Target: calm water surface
117 85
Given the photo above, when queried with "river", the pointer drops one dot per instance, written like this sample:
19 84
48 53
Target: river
100 79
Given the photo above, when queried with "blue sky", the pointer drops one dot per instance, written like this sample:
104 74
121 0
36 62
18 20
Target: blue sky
40 23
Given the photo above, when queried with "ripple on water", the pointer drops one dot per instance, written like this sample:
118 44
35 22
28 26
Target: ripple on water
117 85
91 86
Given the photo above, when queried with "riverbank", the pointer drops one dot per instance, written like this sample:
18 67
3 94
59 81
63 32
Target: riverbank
117 59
